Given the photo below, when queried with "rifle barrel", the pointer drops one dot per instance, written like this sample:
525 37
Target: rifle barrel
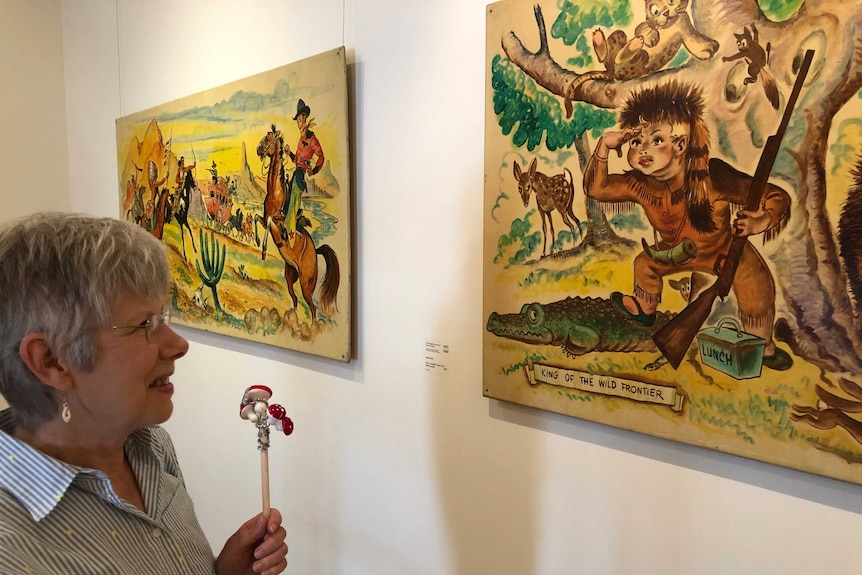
675 337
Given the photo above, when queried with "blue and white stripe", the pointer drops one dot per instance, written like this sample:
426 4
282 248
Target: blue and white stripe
56 518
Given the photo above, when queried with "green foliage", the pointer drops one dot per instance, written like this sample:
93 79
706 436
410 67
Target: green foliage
823 444
574 22
538 114
584 58
530 357
628 222
725 141
500 199
607 364
843 149
575 397
565 239
554 277
183 275
723 423
519 235
780 10
678 60
766 414
770 416
267 320
213 264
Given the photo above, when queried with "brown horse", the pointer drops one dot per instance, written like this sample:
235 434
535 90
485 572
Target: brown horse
162 213
271 146
300 261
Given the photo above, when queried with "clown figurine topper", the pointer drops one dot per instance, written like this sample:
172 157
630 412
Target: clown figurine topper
255 408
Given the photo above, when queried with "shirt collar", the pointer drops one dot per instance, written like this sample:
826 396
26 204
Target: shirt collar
39 481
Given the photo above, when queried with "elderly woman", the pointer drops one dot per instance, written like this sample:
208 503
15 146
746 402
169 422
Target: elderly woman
89 482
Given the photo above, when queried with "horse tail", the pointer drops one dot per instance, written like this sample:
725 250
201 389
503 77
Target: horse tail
331 279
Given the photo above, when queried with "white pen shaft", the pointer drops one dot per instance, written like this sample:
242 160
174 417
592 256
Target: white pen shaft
264 481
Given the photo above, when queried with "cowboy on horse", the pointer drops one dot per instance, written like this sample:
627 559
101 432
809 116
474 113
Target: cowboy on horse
306 150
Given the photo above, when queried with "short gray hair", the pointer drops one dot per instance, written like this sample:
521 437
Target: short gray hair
61 273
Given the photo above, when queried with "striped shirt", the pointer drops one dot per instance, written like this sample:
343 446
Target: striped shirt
58 519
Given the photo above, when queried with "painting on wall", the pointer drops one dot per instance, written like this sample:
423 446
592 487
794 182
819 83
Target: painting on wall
672 216
248 187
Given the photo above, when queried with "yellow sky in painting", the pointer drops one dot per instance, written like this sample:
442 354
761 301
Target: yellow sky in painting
212 125
215 140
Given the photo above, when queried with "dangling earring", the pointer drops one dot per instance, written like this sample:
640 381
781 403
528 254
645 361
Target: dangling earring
67 413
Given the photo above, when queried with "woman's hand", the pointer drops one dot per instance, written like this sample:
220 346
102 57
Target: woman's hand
257 547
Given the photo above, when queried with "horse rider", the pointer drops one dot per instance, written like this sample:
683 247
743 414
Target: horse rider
306 166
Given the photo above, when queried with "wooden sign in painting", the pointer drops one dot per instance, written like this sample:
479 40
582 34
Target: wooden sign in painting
673 206
248 186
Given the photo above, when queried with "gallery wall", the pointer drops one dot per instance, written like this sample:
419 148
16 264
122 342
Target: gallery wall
34 160
398 467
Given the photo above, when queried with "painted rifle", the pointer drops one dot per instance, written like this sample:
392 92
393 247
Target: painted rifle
675 337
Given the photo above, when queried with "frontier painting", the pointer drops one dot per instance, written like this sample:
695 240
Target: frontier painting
248 186
673 206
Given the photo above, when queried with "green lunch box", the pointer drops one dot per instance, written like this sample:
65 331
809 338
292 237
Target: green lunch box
730 350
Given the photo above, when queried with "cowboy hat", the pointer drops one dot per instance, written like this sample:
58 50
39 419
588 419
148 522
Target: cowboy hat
301 108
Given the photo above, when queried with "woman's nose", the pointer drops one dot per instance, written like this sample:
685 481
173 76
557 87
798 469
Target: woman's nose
172 344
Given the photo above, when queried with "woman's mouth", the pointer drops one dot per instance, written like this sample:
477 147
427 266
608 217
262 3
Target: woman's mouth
161 382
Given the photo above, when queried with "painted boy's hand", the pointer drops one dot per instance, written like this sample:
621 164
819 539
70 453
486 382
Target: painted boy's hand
613 140
748 223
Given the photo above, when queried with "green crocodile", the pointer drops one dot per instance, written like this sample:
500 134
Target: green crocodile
579 325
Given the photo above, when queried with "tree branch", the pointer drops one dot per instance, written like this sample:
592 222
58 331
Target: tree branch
591 87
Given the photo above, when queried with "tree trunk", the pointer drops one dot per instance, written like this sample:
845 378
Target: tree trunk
599 232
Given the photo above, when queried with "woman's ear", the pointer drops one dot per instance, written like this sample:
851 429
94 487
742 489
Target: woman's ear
42 362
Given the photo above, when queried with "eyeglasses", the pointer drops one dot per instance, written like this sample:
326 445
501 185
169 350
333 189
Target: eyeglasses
149 325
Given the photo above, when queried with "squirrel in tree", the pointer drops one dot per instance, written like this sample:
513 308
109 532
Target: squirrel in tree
757 58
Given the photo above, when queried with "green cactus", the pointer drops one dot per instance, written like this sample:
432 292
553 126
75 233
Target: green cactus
213 265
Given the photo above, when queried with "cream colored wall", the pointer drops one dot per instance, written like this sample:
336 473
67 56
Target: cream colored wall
395 470
34 160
